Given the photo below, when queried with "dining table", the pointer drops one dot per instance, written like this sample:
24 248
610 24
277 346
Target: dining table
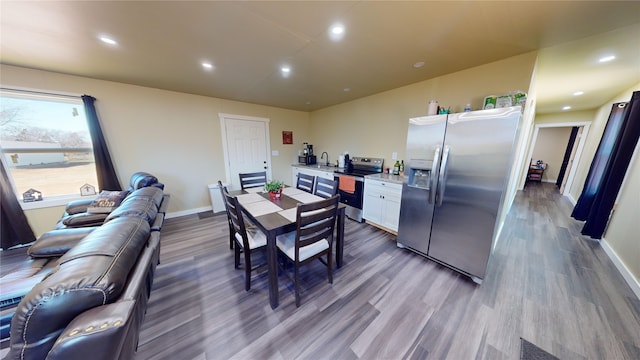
278 216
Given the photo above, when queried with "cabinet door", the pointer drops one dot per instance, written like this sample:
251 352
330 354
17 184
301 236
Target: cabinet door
391 209
382 203
327 175
372 205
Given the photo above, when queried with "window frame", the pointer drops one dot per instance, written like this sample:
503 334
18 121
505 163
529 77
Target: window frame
53 200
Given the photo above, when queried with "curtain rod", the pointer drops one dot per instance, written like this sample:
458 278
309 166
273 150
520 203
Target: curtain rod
37 92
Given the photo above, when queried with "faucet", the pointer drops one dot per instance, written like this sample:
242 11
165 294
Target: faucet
322 155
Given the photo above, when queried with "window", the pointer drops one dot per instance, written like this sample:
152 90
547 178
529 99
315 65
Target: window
45 143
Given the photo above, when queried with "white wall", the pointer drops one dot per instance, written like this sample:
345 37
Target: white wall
175 136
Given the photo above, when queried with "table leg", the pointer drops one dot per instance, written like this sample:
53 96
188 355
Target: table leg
272 262
340 237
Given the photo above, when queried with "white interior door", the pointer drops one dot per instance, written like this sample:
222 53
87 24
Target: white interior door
246 146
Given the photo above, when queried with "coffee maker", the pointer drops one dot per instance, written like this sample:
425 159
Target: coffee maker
307 156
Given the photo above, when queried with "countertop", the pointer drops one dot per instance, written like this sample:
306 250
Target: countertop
316 167
387 177
398 179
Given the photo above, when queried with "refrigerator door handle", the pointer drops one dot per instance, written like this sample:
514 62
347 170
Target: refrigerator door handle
442 176
433 175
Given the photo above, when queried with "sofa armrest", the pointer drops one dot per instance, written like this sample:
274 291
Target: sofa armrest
101 332
165 204
56 243
157 222
78 206
84 220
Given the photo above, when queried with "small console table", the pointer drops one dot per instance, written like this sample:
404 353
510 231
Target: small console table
536 172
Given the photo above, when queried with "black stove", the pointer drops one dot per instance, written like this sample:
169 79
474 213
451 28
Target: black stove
354 172
361 167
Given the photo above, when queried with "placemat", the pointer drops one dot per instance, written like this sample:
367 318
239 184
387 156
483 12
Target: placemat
305 197
289 214
250 198
261 207
291 191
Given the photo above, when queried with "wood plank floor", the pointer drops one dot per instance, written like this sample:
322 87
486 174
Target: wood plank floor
545 283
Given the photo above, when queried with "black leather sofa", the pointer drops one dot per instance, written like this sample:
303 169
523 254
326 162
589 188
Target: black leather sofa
76 214
92 302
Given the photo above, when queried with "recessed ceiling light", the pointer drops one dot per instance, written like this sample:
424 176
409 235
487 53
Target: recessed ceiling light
336 31
108 40
578 93
346 89
207 65
419 64
285 71
566 107
607 58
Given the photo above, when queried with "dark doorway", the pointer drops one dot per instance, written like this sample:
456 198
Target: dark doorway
567 156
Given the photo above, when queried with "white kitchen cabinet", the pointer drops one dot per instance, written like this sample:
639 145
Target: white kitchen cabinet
381 203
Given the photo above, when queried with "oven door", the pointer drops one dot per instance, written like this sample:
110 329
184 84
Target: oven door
353 200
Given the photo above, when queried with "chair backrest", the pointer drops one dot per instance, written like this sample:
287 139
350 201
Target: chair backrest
235 216
315 221
326 188
305 182
251 180
223 189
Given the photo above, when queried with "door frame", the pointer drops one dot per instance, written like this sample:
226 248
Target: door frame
227 118
581 142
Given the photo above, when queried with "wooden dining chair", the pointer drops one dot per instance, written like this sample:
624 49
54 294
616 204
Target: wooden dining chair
253 180
326 188
312 239
232 231
306 182
246 242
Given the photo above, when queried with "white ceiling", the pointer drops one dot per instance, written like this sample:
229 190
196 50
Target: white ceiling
161 45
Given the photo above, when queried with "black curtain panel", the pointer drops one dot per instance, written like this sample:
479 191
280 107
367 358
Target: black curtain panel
107 178
14 227
618 158
600 159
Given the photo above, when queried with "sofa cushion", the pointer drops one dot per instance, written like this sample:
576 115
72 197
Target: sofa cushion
152 193
56 243
141 203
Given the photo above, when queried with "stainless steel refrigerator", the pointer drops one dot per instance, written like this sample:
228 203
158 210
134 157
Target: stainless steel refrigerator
458 167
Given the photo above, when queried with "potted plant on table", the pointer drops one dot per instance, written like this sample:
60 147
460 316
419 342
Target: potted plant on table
274 188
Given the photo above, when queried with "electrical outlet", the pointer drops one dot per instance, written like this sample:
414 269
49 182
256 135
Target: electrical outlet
394 156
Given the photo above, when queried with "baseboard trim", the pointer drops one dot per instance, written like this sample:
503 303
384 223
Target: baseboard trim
571 199
188 212
622 268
